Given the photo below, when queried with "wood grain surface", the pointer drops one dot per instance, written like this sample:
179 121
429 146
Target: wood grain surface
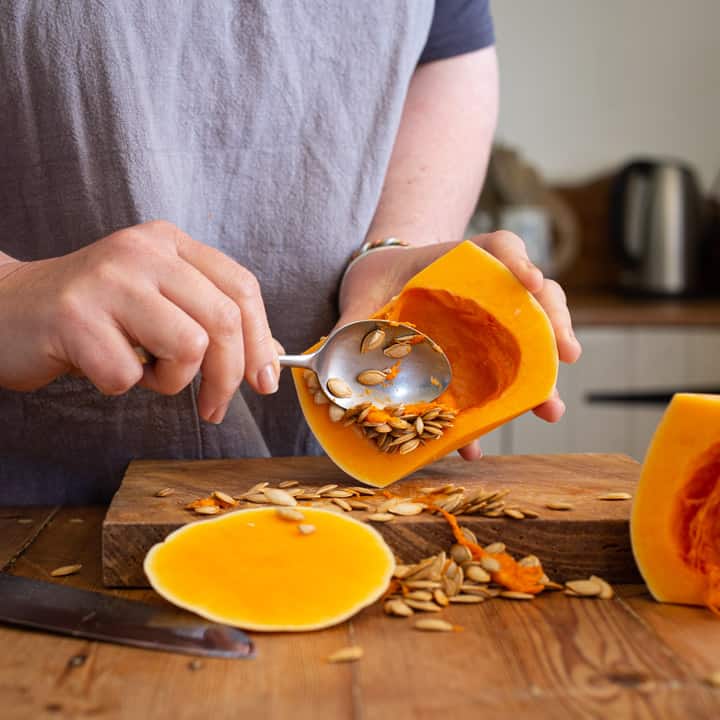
556 658
593 537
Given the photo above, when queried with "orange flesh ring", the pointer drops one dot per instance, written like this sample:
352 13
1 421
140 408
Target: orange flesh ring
696 523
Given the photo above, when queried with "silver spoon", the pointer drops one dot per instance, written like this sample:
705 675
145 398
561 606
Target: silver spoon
424 372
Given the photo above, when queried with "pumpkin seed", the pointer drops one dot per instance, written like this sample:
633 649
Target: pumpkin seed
24 521
257 498
480 590
397 351
422 595
306 529
358 505
490 564
495 548
407 508
713 679
344 504
371 377
311 380
288 513
65 570
255 489
335 412
338 493
433 625
460 554
514 514
419 426
530 514
469 535
558 506
477 574
607 593
424 605
224 498
550 585
325 489
382 428
279 497
76 520
406 338
207 510
320 398
440 597
516 595
402 571
372 340
339 388
380 517
466 599
409 446
423 584
363 491
164 492
346 654
288 484
615 496
529 561
398 608
584 588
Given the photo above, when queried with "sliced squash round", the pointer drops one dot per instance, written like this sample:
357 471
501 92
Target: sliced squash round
501 347
675 525
258 571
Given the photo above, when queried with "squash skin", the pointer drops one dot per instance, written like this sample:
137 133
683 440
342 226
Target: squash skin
255 570
685 446
519 356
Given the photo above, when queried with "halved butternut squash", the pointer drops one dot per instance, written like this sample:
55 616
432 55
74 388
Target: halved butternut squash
675 524
500 345
260 571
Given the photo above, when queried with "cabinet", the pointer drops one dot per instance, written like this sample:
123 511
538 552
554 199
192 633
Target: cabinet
614 393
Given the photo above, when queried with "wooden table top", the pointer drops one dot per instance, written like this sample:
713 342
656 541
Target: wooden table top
607 308
554 658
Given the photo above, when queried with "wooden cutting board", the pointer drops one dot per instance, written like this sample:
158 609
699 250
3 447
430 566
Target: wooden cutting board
592 538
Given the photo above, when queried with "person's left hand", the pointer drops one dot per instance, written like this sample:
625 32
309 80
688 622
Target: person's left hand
374 279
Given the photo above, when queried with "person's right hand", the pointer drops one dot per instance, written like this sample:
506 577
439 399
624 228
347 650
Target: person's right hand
151 285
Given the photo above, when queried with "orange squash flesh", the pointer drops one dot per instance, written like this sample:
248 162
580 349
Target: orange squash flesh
675 524
500 345
256 570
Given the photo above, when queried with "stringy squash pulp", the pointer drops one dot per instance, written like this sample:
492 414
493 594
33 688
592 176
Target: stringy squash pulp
501 347
257 571
675 523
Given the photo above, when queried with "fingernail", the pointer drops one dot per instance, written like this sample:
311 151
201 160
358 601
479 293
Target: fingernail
268 379
218 415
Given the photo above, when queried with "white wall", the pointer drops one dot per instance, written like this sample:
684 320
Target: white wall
587 83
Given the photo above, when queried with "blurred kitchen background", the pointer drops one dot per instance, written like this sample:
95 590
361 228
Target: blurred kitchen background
607 163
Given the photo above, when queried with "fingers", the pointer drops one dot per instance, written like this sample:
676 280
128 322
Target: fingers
552 298
261 363
510 250
552 409
471 451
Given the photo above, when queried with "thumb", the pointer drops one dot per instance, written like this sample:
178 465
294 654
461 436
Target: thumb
471 451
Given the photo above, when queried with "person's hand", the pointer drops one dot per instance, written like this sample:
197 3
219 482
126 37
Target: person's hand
189 305
374 279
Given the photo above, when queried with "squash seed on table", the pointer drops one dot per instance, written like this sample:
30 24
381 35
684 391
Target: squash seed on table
422 595
338 493
559 505
371 377
397 351
584 588
65 570
422 584
440 597
363 491
516 595
514 514
490 564
529 561
434 625
208 510
358 505
424 605
607 592
494 548
372 340
255 489
615 496
339 388
285 484
467 599
460 554
380 517
477 574
24 521
398 608
289 513
306 529
344 504
325 488
279 497
346 654
407 508
223 498
164 492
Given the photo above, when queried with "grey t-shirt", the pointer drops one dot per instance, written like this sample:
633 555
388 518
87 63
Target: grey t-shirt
261 128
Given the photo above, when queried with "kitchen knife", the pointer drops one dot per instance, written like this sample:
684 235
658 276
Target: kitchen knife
95 616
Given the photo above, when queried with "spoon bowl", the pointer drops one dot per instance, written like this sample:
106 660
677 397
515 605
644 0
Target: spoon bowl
417 374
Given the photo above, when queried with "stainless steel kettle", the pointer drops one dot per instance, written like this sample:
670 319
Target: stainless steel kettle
657 227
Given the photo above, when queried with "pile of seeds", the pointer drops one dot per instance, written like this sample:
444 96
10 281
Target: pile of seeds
394 428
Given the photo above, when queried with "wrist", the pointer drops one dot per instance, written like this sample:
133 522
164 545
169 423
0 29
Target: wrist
8 265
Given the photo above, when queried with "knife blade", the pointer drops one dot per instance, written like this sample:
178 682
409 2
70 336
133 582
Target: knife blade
96 616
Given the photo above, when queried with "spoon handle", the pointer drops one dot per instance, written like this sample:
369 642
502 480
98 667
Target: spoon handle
297 361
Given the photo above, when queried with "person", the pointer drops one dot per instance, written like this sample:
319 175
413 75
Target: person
193 179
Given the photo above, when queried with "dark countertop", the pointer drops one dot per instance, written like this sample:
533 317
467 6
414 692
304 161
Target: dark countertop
606 308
